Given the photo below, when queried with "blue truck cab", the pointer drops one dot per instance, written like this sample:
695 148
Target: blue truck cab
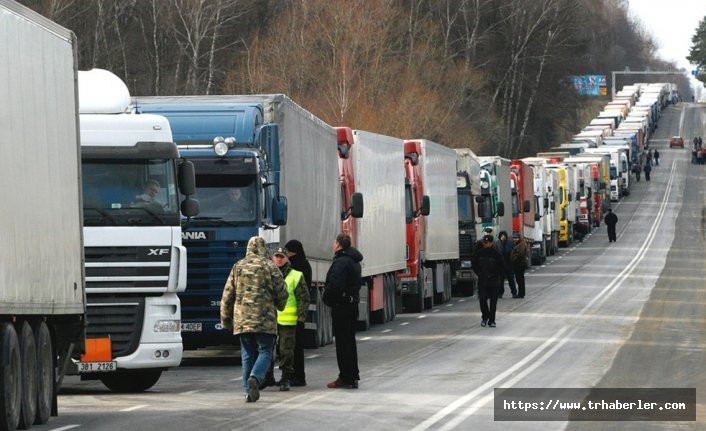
236 162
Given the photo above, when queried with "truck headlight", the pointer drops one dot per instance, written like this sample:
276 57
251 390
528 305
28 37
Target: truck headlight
221 148
465 264
167 326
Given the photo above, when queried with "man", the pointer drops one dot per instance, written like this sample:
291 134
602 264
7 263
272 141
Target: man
252 295
489 266
240 208
656 157
148 198
504 246
294 312
341 293
611 220
648 169
519 259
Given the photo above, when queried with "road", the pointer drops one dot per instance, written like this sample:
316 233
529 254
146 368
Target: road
625 314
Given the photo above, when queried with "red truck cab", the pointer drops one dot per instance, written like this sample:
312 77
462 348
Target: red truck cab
347 181
522 177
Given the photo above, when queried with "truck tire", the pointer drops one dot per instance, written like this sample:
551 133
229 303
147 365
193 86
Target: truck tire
45 373
131 381
28 353
10 372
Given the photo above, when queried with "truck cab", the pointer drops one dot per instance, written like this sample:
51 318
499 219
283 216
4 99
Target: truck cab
235 156
135 262
469 226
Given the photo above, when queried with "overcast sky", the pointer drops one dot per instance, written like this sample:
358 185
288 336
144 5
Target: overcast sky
672 24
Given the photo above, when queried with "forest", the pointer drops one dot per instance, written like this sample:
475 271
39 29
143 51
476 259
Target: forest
490 75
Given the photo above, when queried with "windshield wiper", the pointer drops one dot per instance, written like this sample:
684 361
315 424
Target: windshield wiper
150 212
105 215
217 219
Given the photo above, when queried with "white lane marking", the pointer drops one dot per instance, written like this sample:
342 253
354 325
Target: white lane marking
488 385
316 355
192 392
236 379
681 119
436 310
461 300
404 323
133 408
449 305
64 428
602 296
422 316
366 338
386 331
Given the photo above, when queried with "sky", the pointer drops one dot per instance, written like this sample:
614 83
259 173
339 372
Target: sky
671 24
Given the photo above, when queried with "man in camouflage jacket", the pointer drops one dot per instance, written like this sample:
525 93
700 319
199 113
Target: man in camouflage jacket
255 290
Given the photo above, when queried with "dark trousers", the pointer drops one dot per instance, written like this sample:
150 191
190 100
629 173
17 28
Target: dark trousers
647 175
510 281
299 354
520 279
611 233
344 320
287 336
488 293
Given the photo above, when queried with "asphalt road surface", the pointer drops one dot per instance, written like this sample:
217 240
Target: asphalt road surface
625 314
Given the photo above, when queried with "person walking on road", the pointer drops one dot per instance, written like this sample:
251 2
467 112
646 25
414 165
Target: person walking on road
253 293
295 311
656 157
489 266
341 293
648 169
297 258
611 220
504 245
519 261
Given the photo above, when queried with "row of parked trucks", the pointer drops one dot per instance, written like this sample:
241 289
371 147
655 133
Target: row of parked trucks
98 280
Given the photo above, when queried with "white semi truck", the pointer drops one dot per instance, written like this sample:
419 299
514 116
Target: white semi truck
135 262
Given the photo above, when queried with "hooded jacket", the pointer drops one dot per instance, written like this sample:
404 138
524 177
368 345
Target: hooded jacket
298 260
255 290
343 278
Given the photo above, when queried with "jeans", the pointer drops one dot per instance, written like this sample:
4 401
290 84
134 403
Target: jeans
256 355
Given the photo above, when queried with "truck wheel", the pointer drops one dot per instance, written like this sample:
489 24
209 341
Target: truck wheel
131 381
414 303
28 353
45 373
10 371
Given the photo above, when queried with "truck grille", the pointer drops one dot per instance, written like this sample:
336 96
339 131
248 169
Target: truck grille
127 267
465 245
117 318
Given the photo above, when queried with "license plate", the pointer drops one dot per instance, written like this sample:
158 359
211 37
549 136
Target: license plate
96 367
191 327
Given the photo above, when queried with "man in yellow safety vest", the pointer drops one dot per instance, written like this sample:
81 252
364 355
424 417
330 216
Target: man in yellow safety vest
294 311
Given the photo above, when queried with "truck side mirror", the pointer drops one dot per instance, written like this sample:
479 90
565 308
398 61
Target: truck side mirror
189 207
426 205
546 203
501 209
526 206
552 205
279 211
187 178
357 205
571 198
537 217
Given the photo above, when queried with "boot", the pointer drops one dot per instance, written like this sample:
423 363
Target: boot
284 383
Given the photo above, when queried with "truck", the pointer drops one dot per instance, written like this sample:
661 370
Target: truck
432 235
495 193
265 147
42 289
469 224
543 243
524 201
371 173
131 174
618 169
565 224
583 197
598 185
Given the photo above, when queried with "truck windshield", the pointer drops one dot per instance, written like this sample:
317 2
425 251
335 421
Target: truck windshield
229 199
485 208
613 173
515 204
130 192
465 207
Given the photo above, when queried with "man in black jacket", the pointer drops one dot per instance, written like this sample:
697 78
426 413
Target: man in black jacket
297 257
341 293
489 265
611 220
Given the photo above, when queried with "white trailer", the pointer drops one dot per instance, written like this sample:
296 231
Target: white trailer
378 172
441 233
42 289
